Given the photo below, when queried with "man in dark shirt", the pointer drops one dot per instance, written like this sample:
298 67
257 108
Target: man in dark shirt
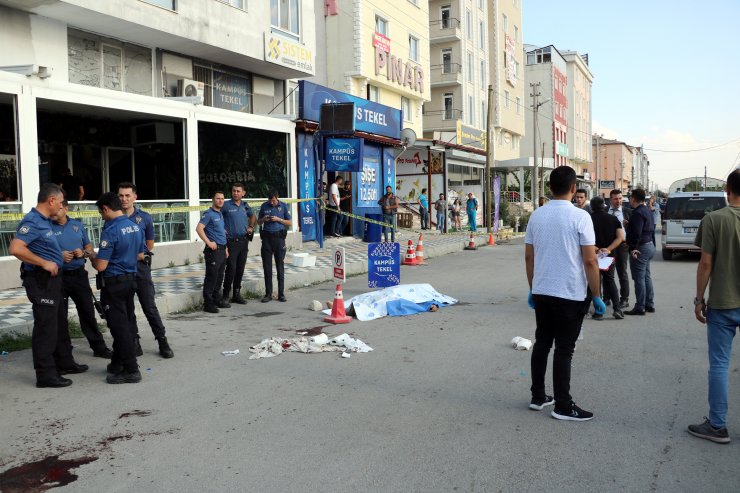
609 235
641 244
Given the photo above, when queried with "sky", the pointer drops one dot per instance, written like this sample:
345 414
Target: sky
666 75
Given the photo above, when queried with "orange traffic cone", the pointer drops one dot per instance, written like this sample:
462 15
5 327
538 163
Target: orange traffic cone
338 315
471 243
410 258
420 250
491 240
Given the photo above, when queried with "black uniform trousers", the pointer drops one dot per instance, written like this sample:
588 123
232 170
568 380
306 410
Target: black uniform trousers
238 249
610 291
76 285
215 266
145 293
621 258
117 297
50 344
273 244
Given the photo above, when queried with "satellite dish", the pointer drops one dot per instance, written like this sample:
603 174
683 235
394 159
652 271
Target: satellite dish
408 137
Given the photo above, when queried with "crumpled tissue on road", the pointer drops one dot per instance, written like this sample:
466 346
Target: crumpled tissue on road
404 299
277 345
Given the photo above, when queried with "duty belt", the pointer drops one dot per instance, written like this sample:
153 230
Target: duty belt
109 281
80 271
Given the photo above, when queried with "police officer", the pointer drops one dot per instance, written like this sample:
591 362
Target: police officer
211 231
121 245
144 284
274 219
36 246
239 221
76 247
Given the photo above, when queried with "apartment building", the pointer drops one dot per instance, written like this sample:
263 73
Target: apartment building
612 166
640 168
578 110
171 94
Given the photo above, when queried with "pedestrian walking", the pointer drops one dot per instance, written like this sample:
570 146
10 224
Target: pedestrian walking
36 246
389 204
76 248
239 221
641 243
121 246
440 206
211 230
274 219
609 235
719 239
582 200
561 264
144 284
424 209
472 209
335 220
621 254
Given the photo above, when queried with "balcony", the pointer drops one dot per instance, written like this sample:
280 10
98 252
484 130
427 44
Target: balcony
444 31
446 74
441 119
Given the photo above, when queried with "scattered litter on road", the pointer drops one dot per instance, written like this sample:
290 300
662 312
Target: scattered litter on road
521 344
274 346
351 344
319 339
346 354
231 352
149 369
315 305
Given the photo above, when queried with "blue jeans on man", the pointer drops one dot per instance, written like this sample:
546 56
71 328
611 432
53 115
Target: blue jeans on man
640 268
721 328
389 219
441 220
424 217
335 222
472 218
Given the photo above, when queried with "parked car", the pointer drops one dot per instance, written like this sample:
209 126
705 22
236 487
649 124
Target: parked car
683 213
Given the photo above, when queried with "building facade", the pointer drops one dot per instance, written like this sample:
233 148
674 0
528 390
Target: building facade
612 166
173 95
578 95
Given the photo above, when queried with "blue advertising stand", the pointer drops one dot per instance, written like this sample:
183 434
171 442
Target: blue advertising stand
383 265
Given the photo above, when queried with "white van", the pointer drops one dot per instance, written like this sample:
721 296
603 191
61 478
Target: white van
683 213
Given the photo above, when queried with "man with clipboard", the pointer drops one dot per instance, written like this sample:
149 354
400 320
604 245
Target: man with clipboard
609 235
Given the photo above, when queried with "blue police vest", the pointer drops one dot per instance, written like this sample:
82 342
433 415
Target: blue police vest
235 218
70 237
213 220
35 231
145 223
280 210
120 243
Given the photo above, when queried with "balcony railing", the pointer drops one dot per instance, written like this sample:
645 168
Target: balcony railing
445 74
448 114
443 30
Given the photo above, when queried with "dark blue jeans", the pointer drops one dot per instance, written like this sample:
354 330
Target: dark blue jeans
389 219
721 328
640 268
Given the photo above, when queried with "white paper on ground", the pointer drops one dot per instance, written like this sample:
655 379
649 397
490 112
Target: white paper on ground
521 344
351 344
231 352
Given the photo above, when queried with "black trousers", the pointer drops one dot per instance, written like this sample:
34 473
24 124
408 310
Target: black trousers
610 286
273 245
76 285
50 344
559 321
621 258
145 293
117 298
215 266
238 249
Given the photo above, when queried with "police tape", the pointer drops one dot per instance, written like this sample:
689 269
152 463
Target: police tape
17 216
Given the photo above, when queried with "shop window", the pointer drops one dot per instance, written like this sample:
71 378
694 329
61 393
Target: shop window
165 4
8 151
224 87
285 16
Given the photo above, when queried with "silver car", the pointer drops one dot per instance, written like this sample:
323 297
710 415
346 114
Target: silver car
683 213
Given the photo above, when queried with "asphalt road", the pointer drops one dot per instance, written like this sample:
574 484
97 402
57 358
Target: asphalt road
440 405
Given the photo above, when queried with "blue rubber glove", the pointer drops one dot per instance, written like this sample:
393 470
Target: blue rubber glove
599 306
530 301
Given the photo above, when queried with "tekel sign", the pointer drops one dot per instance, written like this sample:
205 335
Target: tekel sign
338 261
383 265
344 154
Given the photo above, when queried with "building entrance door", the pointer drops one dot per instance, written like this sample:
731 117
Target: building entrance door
118 167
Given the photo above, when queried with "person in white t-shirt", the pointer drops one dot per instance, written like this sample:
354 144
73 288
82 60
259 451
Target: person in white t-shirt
335 221
561 265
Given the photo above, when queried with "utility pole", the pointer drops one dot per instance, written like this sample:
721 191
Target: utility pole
535 107
621 174
705 178
490 149
542 172
596 170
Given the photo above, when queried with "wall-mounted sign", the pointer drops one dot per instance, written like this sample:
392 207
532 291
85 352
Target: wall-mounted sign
510 53
606 184
287 52
382 42
307 186
407 74
471 136
231 92
344 154
562 149
370 117
368 193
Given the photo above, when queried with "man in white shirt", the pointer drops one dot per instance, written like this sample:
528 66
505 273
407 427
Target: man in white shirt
561 264
335 222
621 255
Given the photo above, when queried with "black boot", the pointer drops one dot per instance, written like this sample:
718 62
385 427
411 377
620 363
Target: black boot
164 348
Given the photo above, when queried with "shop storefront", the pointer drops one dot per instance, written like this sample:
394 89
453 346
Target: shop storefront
377 130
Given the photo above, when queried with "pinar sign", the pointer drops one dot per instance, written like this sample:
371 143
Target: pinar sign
406 74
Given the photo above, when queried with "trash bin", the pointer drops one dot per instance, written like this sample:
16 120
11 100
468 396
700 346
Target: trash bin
372 231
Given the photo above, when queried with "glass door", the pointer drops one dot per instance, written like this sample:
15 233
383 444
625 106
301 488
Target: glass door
119 167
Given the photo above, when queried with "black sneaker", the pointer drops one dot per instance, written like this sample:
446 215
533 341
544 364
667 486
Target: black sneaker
164 348
223 304
210 308
540 404
574 414
618 314
282 298
707 431
53 383
237 298
267 298
103 353
124 377
114 368
635 311
139 351
72 369
650 309
624 303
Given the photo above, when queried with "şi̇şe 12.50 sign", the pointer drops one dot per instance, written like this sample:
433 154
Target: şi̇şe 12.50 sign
367 195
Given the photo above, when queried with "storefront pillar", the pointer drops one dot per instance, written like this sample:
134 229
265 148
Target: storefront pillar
28 148
192 168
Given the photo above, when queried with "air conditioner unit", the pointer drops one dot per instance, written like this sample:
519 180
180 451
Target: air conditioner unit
153 133
189 88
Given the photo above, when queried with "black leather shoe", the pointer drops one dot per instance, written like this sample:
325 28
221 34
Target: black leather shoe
650 309
114 368
124 377
282 298
210 308
624 303
635 311
139 351
267 298
103 353
75 368
223 304
237 298
53 382
164 348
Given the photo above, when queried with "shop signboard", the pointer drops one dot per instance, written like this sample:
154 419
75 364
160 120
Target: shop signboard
368 193
383 265
471 136
344 154
231 92
307 186
287 52
607 184
370 117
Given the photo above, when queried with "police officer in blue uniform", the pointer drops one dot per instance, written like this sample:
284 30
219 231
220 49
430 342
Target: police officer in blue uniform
211 230
274 219
239 221
41 270
121 245
76 247
144 284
